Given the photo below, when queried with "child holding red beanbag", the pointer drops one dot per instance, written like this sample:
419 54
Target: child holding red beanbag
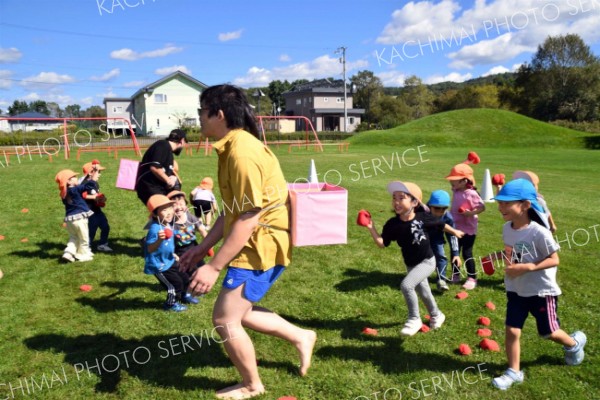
96 201
159 254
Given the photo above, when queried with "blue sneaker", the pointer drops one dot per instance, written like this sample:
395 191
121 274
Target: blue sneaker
177 307
509 377
189 299
574 355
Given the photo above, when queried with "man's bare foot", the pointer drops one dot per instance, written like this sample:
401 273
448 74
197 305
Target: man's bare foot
305 348
239 391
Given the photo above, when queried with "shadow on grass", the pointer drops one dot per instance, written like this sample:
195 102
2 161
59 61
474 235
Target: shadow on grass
46 250
159 360
592 142
54 250
360 280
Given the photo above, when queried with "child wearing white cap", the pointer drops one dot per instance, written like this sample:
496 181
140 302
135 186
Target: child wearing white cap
408 229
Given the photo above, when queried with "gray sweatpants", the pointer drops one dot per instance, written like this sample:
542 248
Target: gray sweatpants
416 283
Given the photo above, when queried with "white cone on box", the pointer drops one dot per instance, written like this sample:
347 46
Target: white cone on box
486 193
312 173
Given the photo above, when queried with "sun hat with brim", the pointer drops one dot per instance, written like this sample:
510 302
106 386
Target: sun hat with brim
439 198
176 193
409 188
520 190
62 178
461 171
530 176
207 183
91 167
156 201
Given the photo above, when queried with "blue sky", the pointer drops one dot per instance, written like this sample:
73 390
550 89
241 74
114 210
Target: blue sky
80 51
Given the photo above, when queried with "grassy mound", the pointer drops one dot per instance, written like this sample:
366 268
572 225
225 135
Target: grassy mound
475 128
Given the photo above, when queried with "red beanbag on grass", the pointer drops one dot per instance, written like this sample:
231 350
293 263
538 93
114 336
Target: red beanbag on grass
462 295
369 331
489 344
490 305
485 321
484 332
464 349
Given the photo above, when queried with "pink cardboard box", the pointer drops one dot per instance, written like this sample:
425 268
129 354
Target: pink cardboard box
319 214
127 174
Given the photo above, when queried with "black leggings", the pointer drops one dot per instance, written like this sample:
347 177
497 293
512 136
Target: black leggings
466 244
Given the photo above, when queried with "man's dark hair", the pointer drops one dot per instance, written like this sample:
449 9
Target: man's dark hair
176 135
233 102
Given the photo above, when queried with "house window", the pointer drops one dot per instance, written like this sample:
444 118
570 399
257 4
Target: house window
325 99
158 123
351 120
298 102
310 99
160 98
189 122
339 100
117 110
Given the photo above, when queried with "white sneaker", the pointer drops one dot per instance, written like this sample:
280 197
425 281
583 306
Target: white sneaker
85 258
507 379
104 248
470 284
68 257
437 321
575 355
442 285
411 327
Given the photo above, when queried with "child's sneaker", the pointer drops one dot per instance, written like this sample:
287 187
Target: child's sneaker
470 284
411 327
188 298
177 307
442 285
437 321
509 377
456 278
68 257
104 247
574 355
87 257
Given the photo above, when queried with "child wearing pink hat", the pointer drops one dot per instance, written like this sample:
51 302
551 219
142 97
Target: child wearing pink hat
466 205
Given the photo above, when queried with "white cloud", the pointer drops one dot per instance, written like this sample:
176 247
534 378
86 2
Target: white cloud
33 96
109 93
473 33
9 55
499 69
227 36
113 73
320 67
46 80
392 78
285 58
169 70
5 76
451 77
132 55
133 84
86 101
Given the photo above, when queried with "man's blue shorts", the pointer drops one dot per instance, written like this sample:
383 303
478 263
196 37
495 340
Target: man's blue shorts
544 309
257 283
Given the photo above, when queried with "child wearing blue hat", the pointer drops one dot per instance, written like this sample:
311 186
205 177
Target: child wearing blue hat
530 279
438 203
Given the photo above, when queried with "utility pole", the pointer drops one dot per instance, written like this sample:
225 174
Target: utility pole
343 61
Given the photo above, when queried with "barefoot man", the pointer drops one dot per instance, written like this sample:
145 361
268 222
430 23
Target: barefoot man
256 248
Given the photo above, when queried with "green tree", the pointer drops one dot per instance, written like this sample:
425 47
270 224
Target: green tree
388 112
73 111
562 81
368 90
275 92
55 110
94 112
418 97
18 107
39 106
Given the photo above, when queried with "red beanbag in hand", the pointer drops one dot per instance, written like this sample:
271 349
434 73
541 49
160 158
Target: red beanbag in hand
498 179
488 265
364 218
485 321
210 252
489 344
168 233
464 349
484 332
464 207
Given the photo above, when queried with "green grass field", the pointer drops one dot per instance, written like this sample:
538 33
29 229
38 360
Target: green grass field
115 342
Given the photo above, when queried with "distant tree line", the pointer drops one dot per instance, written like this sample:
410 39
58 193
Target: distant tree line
52 109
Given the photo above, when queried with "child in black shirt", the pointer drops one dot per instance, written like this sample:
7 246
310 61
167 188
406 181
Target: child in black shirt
408 229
